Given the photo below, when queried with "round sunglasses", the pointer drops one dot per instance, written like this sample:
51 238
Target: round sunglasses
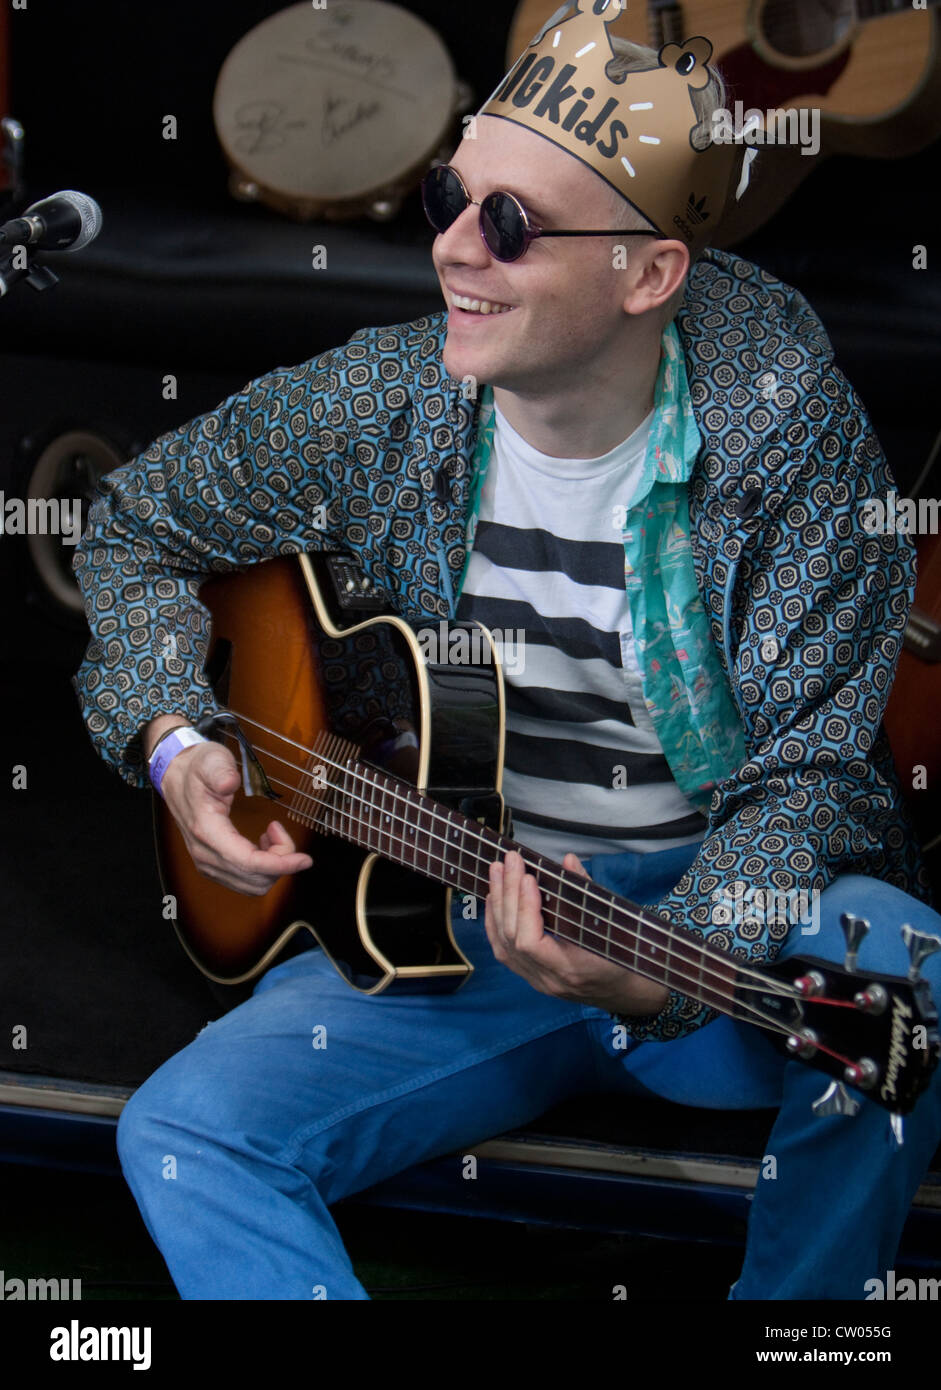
505 226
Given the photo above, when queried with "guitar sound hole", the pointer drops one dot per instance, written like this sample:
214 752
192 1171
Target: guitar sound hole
806 28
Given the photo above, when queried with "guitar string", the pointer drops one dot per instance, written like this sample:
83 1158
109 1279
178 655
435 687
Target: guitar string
777 987
751 1012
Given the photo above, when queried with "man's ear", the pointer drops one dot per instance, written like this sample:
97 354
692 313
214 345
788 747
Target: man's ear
655 275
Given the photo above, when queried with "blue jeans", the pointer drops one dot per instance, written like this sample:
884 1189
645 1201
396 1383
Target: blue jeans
236 1148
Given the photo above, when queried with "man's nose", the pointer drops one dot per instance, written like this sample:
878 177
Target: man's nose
462 241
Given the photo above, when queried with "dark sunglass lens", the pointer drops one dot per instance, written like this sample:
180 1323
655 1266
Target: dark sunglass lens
443 196
504 229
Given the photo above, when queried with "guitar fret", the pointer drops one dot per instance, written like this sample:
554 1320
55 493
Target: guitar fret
595 922
489 848
404 837
347 808
609 929
370 810
387 845
345 827
452 834
421 853
353 811
334 782
418 832
377 821
409 855
400 823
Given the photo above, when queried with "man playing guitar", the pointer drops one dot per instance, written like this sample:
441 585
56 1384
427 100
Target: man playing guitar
656 472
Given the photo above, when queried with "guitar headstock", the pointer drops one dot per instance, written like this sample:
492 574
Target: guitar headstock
877 1033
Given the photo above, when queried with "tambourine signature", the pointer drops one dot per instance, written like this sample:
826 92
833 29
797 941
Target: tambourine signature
264 127
341 115
350 55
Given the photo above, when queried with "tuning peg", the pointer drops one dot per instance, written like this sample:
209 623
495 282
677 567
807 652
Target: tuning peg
920 945
897 1129
836 1100
854 929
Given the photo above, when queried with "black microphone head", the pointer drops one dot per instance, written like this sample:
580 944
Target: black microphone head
72 220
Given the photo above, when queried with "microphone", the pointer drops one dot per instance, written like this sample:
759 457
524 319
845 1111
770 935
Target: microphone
64 221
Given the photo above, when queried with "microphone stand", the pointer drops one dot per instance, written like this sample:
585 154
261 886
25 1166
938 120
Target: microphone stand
12 144
39 276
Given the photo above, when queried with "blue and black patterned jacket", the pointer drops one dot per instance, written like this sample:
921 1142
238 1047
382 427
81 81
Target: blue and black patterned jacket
369 447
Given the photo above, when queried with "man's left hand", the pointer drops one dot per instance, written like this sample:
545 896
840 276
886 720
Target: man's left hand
518 937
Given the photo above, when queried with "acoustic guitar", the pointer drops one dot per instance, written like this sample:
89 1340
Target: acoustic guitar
388 739
871 67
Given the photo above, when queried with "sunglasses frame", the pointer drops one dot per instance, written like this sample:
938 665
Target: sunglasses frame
531 230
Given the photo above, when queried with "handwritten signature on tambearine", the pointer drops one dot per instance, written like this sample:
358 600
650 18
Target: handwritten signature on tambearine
342 115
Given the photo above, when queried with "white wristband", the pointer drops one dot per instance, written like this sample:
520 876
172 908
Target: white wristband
167 749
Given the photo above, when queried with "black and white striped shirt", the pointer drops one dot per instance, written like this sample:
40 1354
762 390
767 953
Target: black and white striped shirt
584 770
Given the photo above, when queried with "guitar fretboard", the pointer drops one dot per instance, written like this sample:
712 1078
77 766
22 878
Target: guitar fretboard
369 808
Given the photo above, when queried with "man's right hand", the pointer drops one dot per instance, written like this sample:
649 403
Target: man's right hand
198 787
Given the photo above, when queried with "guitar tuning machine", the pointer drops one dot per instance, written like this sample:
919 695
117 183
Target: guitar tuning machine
836 1100
863 1074
854 929
874 999
802 1044
920 945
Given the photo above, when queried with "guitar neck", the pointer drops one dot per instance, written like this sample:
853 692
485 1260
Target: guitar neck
671 21
667 22
873 9
392 818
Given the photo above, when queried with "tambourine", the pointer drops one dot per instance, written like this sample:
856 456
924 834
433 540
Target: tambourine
335 111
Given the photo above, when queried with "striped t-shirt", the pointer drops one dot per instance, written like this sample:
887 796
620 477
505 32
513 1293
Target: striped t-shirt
584 768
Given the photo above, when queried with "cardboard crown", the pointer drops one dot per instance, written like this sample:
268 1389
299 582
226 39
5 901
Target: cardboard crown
637 129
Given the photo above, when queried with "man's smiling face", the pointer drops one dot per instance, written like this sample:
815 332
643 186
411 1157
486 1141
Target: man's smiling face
563 299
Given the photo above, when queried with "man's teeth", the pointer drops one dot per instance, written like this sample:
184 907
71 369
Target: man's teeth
479 306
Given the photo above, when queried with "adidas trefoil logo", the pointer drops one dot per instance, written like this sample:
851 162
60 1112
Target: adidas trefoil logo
694 210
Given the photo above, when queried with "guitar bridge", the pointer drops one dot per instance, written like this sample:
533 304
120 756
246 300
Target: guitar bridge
254 778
